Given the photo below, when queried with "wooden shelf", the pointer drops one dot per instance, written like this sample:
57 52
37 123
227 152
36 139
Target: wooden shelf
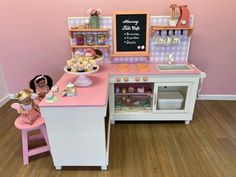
106 30
160 28
74 47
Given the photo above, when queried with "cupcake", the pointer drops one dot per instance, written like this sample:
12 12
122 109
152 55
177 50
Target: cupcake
69 69
74 69
78 54
93 62
95 67
89 67
81 68
85 63
69 63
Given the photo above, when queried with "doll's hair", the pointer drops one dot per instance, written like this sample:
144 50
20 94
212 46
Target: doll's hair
34 82
24 94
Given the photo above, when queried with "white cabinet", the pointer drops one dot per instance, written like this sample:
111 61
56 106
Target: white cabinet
165 97
172 97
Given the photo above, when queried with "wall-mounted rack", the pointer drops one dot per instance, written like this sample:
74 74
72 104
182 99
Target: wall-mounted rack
161 28
105 30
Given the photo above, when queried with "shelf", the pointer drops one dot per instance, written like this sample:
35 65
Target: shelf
133 94
131 109
74 47
106 30
160 28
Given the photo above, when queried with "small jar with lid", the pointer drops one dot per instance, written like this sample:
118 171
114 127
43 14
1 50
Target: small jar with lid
79 39
70 89
90 39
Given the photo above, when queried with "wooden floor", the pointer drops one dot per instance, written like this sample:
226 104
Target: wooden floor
205 148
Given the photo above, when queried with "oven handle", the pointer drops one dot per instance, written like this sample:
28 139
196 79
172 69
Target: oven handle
155 98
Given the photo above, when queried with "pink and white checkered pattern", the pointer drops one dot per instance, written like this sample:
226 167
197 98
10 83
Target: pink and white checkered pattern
157 53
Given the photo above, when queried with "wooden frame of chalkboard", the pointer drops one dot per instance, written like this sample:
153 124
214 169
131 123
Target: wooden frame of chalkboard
130 34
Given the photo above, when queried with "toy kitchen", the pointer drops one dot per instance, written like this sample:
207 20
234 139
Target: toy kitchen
133 63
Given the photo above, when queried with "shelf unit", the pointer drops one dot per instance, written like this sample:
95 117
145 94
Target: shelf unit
105 30
161 28
74 47
133 94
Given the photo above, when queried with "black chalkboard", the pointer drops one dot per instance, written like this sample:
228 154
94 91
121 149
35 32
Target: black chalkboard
131 33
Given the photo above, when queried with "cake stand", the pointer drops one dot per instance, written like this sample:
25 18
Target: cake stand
99 58
82 80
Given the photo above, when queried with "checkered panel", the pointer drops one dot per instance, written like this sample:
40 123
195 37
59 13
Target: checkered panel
157 53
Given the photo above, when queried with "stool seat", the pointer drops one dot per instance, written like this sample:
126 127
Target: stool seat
23 126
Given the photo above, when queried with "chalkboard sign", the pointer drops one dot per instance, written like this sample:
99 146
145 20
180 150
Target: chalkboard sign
131 33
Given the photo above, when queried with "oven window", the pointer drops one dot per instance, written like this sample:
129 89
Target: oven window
133 97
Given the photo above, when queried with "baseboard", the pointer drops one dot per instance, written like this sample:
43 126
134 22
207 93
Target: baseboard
216 97
4 100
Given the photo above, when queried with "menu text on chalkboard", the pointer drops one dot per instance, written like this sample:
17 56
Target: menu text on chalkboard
131 33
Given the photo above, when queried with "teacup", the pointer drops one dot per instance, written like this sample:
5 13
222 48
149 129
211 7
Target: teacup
168 41
55 89
160 41
175 40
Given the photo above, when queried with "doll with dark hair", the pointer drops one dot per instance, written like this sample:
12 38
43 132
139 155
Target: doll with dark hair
41 84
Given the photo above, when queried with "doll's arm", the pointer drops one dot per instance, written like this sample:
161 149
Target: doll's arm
36 107
42 94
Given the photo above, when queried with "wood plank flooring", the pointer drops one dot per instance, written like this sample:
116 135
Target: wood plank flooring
205 148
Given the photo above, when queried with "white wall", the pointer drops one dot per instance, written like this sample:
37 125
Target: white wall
3 88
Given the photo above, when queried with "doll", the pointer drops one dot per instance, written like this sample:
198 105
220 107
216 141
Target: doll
41 84
27 108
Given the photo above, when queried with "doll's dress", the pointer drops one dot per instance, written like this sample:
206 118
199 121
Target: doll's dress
31 115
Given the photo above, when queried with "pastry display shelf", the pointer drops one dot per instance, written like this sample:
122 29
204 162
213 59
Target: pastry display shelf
160 28
132 110
133 94
105 30
74 47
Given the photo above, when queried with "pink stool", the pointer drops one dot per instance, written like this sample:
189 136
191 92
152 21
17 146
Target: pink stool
25 128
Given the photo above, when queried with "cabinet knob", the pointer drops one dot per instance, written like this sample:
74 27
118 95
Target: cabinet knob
145 78
126 79
137 78
118 79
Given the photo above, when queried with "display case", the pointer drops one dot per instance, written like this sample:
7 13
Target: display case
172 97
97 33
133 97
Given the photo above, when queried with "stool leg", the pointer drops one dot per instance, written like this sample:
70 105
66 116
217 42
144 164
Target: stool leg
45 135
25 147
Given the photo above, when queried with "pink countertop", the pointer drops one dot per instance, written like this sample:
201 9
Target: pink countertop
97 93
113 70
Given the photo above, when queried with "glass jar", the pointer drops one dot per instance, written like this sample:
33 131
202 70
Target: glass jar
70 89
